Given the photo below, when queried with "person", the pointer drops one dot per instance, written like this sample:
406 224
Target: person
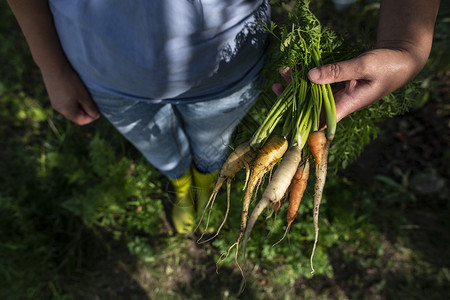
175 77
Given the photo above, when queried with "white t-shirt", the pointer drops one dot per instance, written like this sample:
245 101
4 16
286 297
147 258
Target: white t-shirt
163 50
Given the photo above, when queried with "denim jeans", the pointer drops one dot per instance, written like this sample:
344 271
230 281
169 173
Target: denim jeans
173 136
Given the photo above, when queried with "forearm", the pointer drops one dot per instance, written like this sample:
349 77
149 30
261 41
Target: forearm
68 94
408 25
35 20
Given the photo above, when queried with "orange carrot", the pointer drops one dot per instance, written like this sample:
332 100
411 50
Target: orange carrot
298 187
316 141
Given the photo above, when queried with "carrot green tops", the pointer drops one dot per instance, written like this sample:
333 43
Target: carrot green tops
163 50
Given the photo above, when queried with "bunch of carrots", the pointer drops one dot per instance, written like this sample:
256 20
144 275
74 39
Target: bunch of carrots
290 133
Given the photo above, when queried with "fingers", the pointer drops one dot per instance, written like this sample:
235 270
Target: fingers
338 72
75 112
78 107
89 107
82 118
285 73
278 89
85 112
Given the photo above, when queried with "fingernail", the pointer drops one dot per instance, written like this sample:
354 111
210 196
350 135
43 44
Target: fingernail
314 74
284 70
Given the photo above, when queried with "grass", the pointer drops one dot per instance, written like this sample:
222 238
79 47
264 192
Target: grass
82 214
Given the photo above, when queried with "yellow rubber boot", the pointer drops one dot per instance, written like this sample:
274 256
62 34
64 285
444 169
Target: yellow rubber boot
204 185
183 211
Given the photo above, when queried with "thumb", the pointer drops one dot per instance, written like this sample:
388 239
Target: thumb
336 72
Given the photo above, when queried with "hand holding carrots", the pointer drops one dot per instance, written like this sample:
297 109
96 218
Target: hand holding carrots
363 80
404 39
366 78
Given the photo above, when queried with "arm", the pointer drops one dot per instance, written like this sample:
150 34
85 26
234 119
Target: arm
66 91
405 34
